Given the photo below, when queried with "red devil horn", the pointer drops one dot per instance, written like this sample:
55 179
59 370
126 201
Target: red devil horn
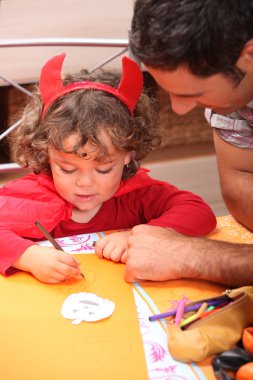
128 92
50 78
131 82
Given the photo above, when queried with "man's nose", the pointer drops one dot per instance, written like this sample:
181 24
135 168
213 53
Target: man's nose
182 105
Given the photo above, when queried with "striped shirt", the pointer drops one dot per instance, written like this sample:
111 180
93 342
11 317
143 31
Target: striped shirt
235 128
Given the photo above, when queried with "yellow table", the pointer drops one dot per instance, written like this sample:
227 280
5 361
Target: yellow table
38 343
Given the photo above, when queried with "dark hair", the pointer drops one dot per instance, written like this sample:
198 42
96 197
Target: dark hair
84 113
207 36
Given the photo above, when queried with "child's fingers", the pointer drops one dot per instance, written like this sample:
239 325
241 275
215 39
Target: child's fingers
100 246
56 278
107 250
66 270
111 247
116 254
123 257
50 275
67 259
68 265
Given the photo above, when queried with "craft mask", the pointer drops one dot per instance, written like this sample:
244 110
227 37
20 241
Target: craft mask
86 307
128 92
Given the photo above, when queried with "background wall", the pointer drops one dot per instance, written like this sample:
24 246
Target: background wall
60 18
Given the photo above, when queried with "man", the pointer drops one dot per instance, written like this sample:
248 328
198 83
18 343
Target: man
201 53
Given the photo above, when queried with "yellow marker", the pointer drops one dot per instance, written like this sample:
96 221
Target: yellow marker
195 316
202 309
189 320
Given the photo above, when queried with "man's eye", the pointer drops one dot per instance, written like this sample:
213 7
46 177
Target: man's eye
67 171
104 171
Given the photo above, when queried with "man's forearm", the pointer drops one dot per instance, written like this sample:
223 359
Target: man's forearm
240 205
217 261
236 176
160 254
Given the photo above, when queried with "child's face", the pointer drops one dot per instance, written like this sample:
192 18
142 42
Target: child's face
87 183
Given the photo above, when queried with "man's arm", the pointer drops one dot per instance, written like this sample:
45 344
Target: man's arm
236 177
159 254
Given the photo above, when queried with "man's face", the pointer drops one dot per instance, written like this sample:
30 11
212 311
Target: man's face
218 92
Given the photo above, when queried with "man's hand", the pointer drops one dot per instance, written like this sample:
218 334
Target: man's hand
156 254
160 254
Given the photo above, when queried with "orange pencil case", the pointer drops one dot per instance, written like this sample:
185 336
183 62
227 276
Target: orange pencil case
217 332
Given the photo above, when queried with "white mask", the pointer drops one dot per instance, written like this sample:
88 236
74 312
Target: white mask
86 307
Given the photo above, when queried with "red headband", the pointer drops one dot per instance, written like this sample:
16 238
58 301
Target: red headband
128 92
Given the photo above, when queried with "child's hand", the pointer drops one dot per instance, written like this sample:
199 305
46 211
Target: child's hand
113 246
48 264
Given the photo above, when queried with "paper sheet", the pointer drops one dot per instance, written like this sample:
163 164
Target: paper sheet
37 343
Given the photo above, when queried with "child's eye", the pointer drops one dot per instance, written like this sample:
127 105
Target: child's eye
104 171
67 171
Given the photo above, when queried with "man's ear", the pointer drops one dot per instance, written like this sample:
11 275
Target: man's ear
245 60
248 49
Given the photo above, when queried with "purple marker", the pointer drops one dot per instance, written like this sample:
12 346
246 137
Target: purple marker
193 307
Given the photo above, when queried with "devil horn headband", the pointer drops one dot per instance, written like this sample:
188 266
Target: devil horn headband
128 92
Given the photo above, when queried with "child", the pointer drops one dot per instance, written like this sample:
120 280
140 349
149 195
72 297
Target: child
83 140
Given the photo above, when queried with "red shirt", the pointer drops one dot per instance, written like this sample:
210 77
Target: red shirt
138 200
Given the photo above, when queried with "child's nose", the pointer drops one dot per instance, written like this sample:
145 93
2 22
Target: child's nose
84 179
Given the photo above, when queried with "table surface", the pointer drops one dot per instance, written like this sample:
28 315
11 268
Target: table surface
40 344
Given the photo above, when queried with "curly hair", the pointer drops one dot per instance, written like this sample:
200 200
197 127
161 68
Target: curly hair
84 113
205 36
